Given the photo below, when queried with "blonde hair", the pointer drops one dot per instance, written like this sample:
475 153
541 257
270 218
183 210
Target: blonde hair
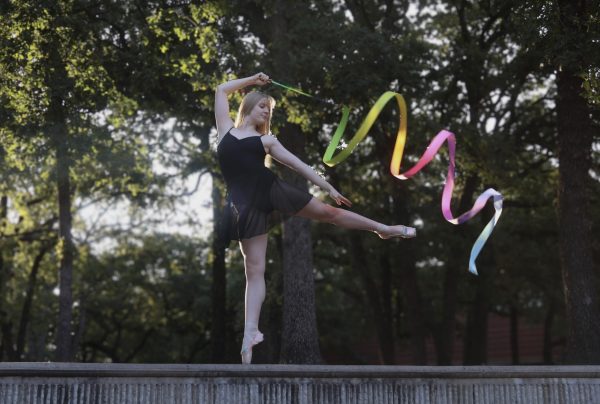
248 103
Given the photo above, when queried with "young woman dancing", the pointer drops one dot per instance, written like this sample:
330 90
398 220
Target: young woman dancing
255 192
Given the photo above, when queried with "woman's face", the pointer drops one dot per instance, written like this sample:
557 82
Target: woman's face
261 112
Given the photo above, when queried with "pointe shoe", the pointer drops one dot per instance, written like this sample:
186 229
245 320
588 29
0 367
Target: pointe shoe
398 231
250 339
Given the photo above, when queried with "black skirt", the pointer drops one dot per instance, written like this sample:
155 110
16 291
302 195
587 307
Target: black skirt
268 206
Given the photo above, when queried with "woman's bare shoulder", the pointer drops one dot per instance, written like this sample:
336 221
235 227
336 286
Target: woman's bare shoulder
269 139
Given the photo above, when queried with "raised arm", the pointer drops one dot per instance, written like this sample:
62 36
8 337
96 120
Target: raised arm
224 121
284 156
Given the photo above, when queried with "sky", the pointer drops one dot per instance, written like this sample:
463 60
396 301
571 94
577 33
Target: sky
190 215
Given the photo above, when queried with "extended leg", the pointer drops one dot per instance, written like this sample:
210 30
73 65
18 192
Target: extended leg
254 251
322 212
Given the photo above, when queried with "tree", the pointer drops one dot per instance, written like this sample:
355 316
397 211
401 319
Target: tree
576 54
55 85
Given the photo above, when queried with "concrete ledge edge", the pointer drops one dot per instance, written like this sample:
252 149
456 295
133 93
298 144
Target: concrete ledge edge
71 369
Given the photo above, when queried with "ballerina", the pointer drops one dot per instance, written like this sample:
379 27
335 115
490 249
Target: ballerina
255 192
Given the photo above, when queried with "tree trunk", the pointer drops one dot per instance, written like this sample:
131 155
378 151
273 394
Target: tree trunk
272 309
548 324
26 311
475 342
414 313
375 297
409 282
575 136
476 333
447 327
3 313
81 322
57 82
387 332
299 337
219 283
409 285
514 335
7 339
63 182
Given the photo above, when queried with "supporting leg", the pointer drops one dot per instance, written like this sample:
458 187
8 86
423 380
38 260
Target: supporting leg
254 251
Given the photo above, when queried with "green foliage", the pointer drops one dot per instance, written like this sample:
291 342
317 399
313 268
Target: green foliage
143 301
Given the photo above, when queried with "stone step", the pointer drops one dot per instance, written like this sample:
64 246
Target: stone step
108 383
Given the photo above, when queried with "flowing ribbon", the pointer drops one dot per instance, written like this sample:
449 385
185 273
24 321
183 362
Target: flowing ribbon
443 136
297 90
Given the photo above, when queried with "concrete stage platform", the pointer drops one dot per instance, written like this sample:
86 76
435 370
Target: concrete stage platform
112 383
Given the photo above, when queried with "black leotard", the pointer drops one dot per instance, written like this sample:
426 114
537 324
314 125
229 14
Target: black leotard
254 191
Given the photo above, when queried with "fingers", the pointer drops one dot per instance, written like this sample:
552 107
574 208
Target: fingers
262 79
340 199
344 202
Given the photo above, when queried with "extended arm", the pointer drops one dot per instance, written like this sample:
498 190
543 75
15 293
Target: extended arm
284 156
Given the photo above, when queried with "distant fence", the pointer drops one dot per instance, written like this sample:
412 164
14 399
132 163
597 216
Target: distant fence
86 383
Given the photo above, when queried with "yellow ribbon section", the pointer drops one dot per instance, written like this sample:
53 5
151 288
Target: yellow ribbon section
364 128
